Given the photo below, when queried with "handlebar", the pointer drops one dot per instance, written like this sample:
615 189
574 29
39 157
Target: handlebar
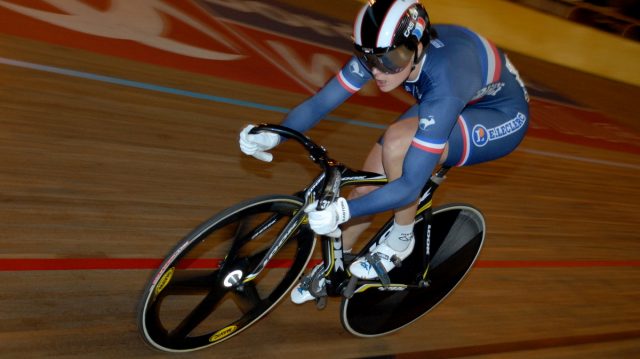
326 188
317 153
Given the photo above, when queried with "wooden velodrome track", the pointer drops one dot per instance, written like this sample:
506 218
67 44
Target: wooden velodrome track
99 178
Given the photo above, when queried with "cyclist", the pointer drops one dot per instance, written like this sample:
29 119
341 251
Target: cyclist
471 107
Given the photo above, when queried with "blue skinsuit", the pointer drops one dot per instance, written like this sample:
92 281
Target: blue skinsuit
468 94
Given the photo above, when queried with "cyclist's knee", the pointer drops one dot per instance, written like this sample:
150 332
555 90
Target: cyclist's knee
398 138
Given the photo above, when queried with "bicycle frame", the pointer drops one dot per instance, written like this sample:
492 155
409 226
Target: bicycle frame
326 189
332 253
275 226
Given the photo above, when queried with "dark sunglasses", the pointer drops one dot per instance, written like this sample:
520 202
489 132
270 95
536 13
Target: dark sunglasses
389 62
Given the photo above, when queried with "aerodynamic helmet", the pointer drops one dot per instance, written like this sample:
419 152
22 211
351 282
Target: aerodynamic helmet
386 33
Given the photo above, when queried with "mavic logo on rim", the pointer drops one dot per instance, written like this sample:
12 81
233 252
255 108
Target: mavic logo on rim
222 333
164 281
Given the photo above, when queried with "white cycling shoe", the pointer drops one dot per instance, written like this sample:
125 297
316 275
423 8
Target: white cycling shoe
300 293
363 269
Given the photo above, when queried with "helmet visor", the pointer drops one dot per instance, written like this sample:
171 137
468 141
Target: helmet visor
390 62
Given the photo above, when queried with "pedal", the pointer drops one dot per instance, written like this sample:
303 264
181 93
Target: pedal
318 288
315 284
350 289
382 273
321 303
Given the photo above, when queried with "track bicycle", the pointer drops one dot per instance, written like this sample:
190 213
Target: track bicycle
235 267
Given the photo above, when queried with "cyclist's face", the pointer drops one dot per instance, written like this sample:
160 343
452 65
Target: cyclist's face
388 81
389 68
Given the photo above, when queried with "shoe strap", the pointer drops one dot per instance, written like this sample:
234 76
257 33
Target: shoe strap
376 263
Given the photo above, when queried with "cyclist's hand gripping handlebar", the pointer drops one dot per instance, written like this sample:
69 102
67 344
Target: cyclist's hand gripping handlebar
256 144
326 221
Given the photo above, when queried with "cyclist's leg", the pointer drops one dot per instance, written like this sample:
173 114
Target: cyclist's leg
481 134
399 241
387 157
397 140
357 226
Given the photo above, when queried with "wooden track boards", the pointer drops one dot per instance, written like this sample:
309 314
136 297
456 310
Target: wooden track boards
98 170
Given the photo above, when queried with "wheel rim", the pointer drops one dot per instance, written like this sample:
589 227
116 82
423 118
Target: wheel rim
190 307
394 310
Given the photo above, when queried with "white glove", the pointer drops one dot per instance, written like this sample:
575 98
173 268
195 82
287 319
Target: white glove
257 145
326 222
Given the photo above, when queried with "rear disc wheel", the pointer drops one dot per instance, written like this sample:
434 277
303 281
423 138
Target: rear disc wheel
457 236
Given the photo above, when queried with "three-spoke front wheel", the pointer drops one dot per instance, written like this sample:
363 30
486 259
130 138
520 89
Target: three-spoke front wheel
195 300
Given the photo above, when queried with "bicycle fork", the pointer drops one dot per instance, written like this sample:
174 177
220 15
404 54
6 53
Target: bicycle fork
425 212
